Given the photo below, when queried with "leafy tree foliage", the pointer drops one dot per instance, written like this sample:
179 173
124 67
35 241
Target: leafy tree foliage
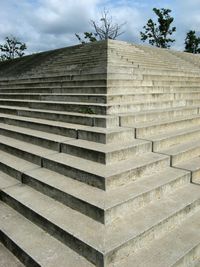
104 30
158 34
192 43
88 37
12 48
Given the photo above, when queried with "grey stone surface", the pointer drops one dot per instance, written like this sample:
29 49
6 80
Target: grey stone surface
99 157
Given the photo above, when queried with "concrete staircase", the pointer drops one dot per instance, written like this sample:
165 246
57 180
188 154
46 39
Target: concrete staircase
100 158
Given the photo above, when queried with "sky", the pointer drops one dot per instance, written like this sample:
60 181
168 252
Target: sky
50 24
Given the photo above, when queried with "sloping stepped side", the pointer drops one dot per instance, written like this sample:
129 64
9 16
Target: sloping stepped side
99 158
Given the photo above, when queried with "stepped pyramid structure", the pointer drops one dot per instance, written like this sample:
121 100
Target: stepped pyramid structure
100 158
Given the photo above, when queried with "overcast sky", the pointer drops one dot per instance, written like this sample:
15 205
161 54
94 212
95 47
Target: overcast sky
48 24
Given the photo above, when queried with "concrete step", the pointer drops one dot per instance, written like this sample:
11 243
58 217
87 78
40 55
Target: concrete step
164 252
129 82
15 166
95 134
99 108
192 165
52 83
144 130
101 98
85 98
8 259
167 140
106 207
128 89
117 108
50 141
172 77
183 151
41 89
98 243
79 107
102 153
105 121
130 119
106 176
44 250
24 150
105 153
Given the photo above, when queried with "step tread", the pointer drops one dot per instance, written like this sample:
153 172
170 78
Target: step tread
35 133
164 251
108 237
106 170
8 259
43 248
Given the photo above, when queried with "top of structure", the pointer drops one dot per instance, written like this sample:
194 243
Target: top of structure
94 56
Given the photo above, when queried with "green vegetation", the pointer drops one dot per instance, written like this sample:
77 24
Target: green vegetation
12 48
192 43
158 34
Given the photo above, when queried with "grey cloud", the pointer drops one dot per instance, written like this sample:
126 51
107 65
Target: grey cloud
48 24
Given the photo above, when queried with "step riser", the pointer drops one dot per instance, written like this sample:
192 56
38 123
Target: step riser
54 83
106 158
17 251
143 200
168 142
118 89
157 231
196 177
152 130
149 83
130 120
79 98
56 90
151 97
11 171
67 238
106 138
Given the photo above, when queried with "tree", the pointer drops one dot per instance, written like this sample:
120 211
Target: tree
192 43
107 29
89 36
159 34
12 48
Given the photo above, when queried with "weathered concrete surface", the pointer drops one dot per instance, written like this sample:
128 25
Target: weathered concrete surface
99 157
